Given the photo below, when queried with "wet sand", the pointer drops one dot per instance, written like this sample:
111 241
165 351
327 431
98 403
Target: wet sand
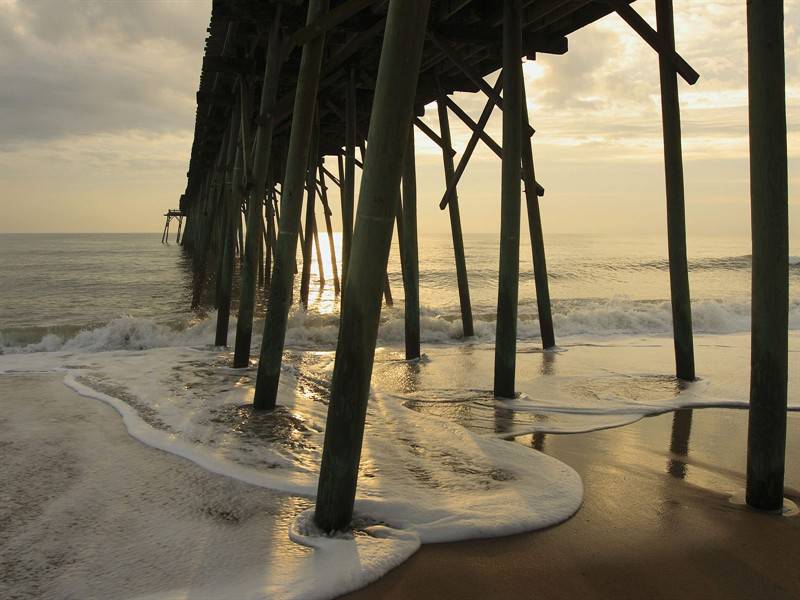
88 512
657 522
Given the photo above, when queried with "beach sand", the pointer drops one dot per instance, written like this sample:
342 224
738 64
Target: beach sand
86 511
654 524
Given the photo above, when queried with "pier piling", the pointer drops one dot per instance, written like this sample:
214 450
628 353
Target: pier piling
455 220
766 439
310 226
676 210
505 355
233 200
410 252
269 366
392 113
537 238
256 190
329 228
349 182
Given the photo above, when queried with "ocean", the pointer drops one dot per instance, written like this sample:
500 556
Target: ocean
59 286
111 315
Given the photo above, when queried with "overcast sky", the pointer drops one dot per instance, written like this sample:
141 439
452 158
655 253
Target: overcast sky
97 115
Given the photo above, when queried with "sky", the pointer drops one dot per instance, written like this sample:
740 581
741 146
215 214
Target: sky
97 108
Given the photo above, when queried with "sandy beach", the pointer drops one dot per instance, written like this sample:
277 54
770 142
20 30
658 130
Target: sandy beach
654 524
89 512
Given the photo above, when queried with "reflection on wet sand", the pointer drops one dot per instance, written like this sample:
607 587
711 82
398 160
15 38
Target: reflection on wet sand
478 410
679 443
641 532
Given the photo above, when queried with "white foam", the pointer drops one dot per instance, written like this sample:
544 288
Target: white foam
184 401
612 317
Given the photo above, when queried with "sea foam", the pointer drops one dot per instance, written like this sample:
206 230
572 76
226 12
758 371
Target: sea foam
608 317
186 401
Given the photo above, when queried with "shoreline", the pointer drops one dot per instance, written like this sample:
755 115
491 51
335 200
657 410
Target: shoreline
678 517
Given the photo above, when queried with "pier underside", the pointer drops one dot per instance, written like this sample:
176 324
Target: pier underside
289 89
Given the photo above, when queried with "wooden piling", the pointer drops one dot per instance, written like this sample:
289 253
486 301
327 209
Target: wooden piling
318 251
261 160
233 199
269 367
269 234
240 232
676 212
535 229
766 439
311 194
505 356
349 183
409 251
329 228
387 290
210 202
310 226
392 114
455 222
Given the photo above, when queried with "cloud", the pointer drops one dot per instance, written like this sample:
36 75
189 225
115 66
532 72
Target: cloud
85 68
101 93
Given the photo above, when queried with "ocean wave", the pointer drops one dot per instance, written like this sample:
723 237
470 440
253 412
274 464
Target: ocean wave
617 316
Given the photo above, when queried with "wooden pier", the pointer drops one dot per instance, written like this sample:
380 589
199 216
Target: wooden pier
289 89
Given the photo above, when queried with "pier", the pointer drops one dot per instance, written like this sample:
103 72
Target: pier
294 97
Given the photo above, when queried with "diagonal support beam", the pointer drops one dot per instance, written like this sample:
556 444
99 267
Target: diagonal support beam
471 145
476 129
654 39
434 137
478 132
467 69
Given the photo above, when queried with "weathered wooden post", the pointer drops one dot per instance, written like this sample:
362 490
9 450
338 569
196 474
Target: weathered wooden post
211 202
455 221
311 193
310 226
505 354
329 228
318 251
178 236
270 214
269 367
240 233
409 251
232 199
261 160
676 211
392 113
535 229
349 182
766 439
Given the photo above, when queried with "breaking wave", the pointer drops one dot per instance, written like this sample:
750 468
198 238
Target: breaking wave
617 316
